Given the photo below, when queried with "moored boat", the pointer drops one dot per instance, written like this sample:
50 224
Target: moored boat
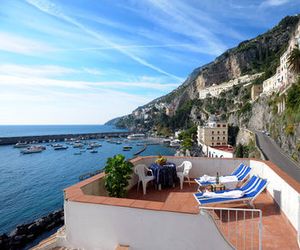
21 145
127 148
32 150
61 147
135 136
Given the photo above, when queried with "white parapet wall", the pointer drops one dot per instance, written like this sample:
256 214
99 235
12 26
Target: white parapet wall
286 196
214 152
94 226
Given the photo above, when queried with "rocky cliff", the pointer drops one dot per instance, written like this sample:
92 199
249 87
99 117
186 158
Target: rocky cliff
260 54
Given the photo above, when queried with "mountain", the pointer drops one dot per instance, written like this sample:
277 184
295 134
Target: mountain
253 59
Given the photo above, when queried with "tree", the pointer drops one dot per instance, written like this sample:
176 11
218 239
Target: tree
118 173
294 60
293 96
187 144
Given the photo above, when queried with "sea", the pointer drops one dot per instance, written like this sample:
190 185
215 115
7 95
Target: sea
31 185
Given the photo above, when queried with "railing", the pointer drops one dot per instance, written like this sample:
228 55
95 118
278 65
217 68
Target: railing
242 228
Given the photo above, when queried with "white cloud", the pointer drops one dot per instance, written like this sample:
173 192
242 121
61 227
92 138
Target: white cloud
18 44
35 70
93 71
41 106
274 3
28 80
51 9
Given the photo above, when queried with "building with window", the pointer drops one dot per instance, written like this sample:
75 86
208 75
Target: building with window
256 90
213 138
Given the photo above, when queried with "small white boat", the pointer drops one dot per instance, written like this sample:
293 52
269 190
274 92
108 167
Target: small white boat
136 136
77 145
61 147
94 151
175 143
21 145
95 145
32 150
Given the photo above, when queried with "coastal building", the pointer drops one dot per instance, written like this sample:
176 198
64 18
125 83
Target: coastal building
214 133
172 219
283 77
213 138
216 90
256 90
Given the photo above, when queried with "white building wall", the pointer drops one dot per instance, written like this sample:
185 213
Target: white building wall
215 153
93 226
285 196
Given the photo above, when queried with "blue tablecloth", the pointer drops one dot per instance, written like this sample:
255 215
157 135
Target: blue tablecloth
165 175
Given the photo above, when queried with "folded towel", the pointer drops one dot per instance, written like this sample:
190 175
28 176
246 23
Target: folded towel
207 178
229 178
222 179
229 194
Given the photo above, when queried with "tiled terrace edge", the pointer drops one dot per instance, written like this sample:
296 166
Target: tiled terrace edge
75 192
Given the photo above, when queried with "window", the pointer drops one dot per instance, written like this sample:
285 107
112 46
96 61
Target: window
223 138
224 132
224 125
212 144
218 125
218 132
218 143
213 138
218 138
223 143
212 132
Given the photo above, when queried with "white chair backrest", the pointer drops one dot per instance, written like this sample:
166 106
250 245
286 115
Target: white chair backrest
187 165
140 171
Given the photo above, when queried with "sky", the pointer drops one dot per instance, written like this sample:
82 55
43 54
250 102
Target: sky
85 62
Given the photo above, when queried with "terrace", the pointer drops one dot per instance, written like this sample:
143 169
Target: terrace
172 216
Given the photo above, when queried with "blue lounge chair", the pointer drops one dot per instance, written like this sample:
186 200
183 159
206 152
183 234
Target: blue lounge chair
251 189
241 172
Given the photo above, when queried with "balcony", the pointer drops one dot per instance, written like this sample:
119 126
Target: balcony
93 219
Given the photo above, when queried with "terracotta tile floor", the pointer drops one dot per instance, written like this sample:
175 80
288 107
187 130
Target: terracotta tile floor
278 233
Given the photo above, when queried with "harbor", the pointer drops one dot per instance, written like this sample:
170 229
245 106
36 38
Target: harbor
61 137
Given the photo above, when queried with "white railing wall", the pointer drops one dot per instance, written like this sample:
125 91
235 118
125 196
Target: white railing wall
242 228
285 195
95 226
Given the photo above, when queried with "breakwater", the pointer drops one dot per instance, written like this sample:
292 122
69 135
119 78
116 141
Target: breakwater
61 137
26 233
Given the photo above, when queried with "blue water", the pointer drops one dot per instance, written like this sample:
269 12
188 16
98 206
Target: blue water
26 130
32 185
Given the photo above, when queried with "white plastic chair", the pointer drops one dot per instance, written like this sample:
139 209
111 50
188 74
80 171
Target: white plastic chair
141 170
183 171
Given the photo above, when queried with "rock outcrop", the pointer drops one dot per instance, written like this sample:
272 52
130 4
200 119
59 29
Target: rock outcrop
26 233
260 54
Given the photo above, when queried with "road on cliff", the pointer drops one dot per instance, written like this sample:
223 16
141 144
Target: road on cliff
275 154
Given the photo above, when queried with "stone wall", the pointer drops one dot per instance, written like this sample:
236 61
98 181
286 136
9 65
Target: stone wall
26 233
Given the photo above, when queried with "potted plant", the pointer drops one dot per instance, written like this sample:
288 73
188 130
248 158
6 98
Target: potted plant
117 175
161 160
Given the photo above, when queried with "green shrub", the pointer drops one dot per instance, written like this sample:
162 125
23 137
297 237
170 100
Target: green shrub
293 97
118 173
295 156
245 108
289 129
